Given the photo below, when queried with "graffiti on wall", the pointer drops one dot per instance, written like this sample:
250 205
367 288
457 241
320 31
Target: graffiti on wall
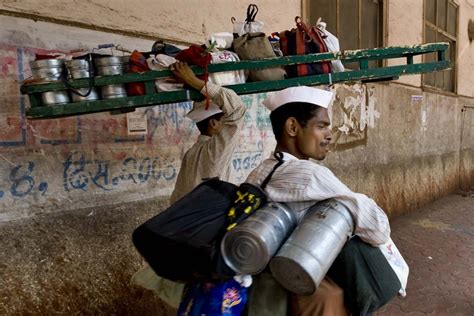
81 173
22 181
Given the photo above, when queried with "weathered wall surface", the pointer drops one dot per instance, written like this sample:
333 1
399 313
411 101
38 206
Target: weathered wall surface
72 190
411 155
179 20
465 50
405 27
466 167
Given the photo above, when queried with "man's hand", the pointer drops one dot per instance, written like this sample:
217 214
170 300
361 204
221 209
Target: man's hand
183 73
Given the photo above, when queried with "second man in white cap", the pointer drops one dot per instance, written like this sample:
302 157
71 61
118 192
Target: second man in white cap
220 125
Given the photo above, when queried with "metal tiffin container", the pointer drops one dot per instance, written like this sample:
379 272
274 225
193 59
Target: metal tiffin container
248 248
79 69
109 66
113 91
305 258
55 97
83 96
47 70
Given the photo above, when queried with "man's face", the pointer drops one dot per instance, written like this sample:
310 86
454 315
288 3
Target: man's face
312 141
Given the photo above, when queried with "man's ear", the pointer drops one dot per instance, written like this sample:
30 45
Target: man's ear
291 126
212 123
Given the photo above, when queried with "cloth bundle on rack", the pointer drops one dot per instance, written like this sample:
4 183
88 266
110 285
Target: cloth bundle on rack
163 62
224 78
332 44
137 63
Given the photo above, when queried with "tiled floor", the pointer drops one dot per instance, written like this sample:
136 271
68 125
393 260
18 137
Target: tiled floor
437 242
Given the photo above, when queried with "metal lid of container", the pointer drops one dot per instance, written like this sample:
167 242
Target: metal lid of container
244 252
77 63
108 61
46 63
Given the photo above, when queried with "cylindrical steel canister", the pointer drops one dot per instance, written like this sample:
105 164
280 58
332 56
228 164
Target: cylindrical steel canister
108 66
304 259
47 69
248 248
79 98
113 91
55 97
78 68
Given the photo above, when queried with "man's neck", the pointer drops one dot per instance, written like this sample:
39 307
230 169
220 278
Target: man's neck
289 149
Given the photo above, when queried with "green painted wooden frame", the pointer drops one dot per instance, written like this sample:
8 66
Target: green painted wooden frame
152 97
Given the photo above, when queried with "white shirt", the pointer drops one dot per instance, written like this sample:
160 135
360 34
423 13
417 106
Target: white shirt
301 183
212 156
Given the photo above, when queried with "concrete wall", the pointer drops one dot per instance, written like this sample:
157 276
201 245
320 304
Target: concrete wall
179 20
465 50
72 190
405 27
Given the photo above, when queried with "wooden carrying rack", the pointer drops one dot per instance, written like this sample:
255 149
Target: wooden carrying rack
152 97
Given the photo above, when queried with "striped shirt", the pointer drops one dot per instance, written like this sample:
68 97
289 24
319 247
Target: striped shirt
211 156
302 183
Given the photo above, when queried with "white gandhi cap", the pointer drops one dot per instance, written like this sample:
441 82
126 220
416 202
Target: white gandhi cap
303 94
199 112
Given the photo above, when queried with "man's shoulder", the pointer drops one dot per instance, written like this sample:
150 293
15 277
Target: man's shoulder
303 168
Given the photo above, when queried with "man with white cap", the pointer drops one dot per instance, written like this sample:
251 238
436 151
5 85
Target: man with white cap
301 125
220 125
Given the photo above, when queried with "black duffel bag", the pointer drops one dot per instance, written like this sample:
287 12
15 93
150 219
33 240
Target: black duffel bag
179 243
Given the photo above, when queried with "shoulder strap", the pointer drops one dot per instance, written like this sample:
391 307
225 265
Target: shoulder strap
279 156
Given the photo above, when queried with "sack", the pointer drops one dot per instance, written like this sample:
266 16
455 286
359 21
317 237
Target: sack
221 40
223 298
398 264
367 279
303 41
183 242
249 25
178 243
224 78
137 63
255 46
332 44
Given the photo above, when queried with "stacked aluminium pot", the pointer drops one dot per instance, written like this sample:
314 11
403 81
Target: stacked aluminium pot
50 70
79 69
108 66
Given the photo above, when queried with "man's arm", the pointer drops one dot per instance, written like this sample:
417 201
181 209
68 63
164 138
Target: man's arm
370 221
220 147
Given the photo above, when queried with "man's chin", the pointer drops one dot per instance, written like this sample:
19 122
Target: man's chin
319 157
